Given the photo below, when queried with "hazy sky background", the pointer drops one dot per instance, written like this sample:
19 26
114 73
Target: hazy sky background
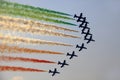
101 61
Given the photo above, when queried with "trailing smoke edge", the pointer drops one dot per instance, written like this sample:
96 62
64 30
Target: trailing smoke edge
6 8
34 24
22 69
21 59
13 24
14 39
15 49
33 8
6 25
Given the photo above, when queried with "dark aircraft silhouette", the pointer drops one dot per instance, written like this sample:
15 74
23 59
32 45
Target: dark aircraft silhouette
83 30
86 33
75 16
83 24
72 55
81 47
62 64
89 39
54 72
80 18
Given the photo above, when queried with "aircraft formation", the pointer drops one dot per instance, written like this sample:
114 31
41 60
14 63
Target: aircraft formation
85 28
64 63
88 37
31 22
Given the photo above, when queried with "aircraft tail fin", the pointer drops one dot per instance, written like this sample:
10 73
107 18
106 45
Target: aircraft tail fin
75 16
50 71
68 54
77 46
59 62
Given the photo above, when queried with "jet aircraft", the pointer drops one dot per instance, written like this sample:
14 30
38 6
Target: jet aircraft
81 47
72 55
54 72
62 63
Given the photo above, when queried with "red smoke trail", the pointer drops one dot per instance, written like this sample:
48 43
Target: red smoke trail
11 68
7 58
16 49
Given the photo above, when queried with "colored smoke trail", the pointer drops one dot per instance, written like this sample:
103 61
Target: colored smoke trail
7 25
11 68
5 9
21 25
47 14
15 49
33 8
34 24
7 58
17 12
14 39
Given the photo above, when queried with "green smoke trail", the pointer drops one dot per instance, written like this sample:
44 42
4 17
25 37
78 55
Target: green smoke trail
17 12
40 11
5 9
